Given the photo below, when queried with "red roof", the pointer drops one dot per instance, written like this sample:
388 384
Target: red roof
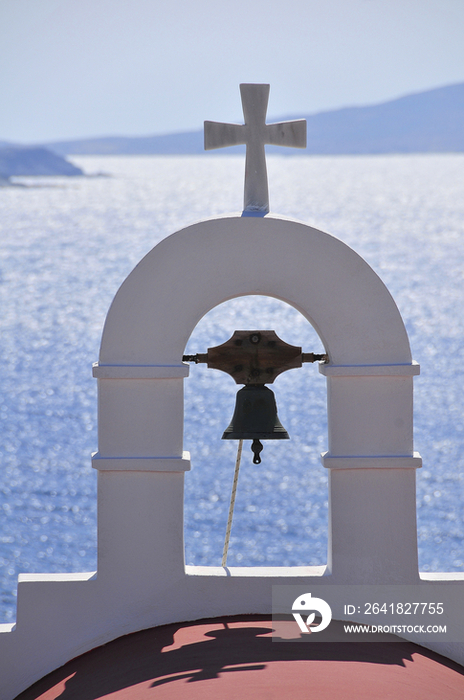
236 658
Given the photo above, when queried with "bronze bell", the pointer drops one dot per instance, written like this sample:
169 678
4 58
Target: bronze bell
255 418
255 358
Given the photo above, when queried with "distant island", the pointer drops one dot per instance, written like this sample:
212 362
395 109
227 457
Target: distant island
426 122
32 160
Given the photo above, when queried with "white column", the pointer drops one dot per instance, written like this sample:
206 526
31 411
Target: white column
141 475
372 497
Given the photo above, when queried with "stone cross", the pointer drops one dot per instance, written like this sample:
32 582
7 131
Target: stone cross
255 133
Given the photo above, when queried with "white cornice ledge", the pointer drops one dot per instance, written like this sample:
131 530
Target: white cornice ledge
141 464
140 371
371 462
369 370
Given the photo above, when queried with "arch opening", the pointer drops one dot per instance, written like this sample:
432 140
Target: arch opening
280 516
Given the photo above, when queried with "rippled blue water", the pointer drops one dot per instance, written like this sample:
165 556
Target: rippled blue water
65 247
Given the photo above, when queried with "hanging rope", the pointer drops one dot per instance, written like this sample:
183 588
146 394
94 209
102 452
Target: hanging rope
232 503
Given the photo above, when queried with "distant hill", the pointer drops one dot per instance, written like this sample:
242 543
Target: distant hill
426 122
188 142
33 160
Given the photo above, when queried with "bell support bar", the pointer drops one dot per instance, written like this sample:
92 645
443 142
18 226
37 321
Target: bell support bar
254 357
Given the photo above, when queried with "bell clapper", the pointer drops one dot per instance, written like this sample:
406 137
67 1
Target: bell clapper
256 447
232 503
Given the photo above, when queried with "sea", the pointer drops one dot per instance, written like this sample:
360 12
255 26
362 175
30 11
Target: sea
67 244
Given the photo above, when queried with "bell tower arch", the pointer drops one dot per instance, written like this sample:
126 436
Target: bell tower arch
370 457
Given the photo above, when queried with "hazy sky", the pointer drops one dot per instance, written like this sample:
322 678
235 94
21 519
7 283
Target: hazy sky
76 68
